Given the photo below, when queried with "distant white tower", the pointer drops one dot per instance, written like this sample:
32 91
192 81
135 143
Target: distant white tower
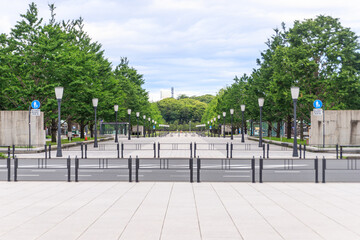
164 93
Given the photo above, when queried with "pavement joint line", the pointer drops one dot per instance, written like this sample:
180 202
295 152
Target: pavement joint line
197 212
131 187
64 190
78 209
258 212
166 211
289 212
227 211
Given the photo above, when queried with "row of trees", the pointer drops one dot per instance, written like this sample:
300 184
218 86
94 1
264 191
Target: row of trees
36 57
318 55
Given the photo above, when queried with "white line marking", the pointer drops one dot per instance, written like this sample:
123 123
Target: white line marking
28 175
227 176
44 170
285 171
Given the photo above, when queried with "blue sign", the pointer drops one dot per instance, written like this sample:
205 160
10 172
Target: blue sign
35 104
154 127
317 104
210 127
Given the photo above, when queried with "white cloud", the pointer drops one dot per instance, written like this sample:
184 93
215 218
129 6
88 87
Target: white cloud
195 46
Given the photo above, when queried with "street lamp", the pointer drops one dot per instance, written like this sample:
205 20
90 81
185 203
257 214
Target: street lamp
242 125
232 114
129 113
224 115
95 104
219 126
144 126
137 124
261 104
116 109
295 95
59 93
208 128
152 128
155 128
212 126
149 126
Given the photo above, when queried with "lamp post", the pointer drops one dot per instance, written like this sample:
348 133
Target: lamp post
232 114
149 127
214 133
129 113
261 104
152 128
95 104
59 93
295 95
208 128
137 124
116 109
219 126
242 125
224 115
144 126
155 128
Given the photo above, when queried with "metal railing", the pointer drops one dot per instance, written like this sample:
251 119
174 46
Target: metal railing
7 167
175 147
175 164
103 164
226 164
221 147
42 164
287 165
339 165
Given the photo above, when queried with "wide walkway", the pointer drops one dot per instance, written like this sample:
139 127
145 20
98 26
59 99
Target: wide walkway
184 211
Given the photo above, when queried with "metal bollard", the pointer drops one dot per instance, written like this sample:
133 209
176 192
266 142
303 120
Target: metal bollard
13 151
300 150
8 165
304 151
191 150
69 169
194 150
85 150
231 150
77 169
323 169
82 150
341 152
118 150
198 169
130 168
122 150
154 146
267 151
253 169
227 150
316 163
49 150
263 146
337 151
45 151
260 170
15 169
158 150
137 166
191 163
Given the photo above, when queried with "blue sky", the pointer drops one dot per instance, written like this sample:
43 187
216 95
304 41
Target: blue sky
195 46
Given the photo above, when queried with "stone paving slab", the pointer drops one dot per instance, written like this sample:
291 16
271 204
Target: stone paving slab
166 210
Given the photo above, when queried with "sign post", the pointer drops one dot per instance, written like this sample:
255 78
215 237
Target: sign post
318 111
35 111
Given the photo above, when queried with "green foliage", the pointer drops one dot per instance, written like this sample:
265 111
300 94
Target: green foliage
183 110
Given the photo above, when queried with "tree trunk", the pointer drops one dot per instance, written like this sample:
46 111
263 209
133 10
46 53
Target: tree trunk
301 129
278 129
69 125
82 129
288 127
53 130
92 130
269 128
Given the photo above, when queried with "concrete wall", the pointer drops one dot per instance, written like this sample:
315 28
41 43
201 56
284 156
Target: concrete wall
14 128
341 127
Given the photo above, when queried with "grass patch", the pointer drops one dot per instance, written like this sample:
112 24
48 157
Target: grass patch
303 142
63 141
2 155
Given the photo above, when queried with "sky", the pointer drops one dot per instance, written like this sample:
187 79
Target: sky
195 46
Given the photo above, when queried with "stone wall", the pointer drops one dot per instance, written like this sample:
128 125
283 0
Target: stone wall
341 127
14 129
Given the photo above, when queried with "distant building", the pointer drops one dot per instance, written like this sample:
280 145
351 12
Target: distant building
164 93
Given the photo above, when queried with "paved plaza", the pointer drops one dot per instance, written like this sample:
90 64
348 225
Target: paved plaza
153 210
175 208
